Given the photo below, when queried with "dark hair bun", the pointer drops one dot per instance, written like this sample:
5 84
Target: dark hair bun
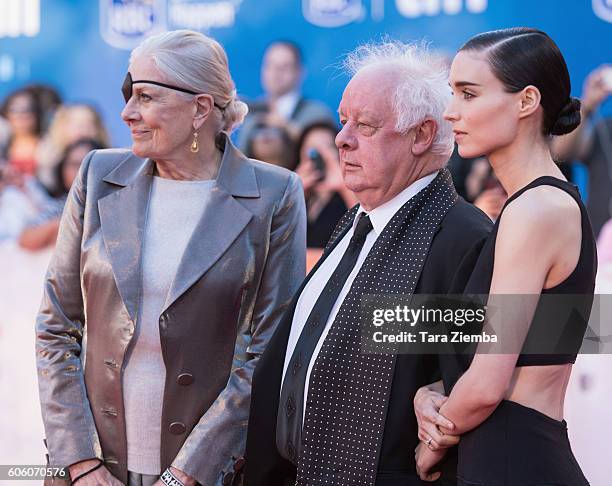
568 118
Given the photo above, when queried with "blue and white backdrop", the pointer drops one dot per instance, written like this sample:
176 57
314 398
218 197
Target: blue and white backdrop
82 46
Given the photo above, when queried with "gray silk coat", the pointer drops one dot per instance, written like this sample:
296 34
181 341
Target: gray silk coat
239 271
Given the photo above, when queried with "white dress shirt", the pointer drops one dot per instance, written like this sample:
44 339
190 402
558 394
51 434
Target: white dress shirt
286 104
379 217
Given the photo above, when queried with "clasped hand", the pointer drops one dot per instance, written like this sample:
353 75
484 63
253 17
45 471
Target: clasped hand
434 443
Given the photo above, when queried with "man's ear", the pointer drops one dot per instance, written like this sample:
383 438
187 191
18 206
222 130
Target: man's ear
204 104
424 135
529 101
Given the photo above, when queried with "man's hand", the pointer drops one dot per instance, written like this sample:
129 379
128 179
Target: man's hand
309 174
427 404
596 89
425 460
100 476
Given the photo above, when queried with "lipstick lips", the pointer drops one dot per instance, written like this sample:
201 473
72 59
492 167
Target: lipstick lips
459 134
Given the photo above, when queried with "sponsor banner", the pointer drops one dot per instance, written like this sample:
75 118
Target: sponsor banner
202 15
126 23
332 13
603 9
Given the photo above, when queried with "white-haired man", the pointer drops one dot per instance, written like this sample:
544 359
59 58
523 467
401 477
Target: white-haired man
322 411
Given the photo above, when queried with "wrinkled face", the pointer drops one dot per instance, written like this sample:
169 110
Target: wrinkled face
484 116
21 115
160 119
375 159
280 71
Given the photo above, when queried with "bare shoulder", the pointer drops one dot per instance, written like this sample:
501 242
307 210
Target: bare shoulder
544 215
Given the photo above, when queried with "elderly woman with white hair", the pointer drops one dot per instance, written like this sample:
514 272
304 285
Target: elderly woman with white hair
176 260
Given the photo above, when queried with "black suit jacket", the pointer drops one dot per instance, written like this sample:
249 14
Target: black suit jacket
449 264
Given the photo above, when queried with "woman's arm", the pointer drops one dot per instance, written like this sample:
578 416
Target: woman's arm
69 425
218 440
538 233
38 237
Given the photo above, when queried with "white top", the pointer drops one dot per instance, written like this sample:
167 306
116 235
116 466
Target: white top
175 207
379 217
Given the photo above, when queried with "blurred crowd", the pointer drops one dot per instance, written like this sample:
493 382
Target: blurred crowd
43 141
42 144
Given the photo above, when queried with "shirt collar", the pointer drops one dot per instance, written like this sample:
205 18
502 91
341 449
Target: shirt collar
381 215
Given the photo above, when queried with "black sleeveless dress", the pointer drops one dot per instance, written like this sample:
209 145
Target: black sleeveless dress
518 445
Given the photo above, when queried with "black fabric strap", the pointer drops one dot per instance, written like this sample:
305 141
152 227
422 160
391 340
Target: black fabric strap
82 475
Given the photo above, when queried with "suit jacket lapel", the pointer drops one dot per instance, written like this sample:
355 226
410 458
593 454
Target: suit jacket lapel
122 219
284 327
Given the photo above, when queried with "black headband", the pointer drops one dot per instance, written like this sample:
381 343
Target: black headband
126 88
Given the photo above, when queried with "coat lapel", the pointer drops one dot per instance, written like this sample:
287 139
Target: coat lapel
222 221
123 218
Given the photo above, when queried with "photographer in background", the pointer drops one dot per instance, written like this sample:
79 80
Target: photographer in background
591 144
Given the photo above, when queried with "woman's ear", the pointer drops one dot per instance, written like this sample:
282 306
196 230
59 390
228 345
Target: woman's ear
529 99
204 104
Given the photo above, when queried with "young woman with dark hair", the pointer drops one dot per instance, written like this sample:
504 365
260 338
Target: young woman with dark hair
22 110
511 92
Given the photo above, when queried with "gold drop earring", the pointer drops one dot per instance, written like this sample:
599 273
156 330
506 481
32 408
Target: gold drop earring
194 145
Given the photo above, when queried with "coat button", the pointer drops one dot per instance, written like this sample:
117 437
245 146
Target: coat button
184 379
228 478
239 464
290 408
291 450
177 428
